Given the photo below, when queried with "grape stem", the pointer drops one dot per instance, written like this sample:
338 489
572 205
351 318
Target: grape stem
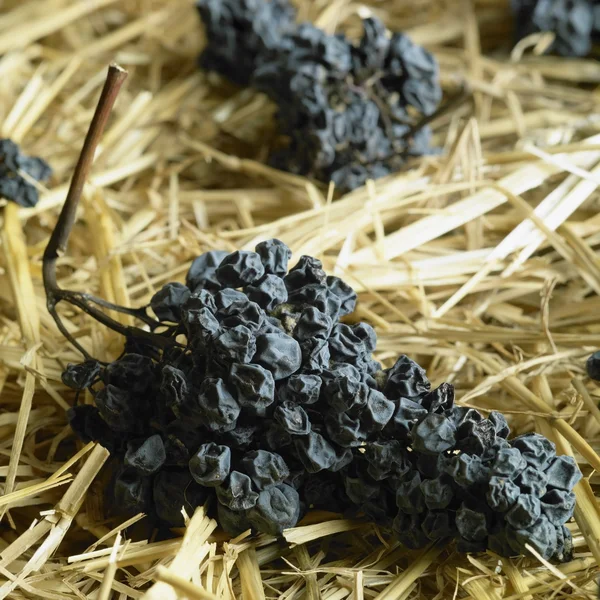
57 244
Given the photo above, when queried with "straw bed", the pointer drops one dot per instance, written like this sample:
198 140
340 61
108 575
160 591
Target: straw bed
479 263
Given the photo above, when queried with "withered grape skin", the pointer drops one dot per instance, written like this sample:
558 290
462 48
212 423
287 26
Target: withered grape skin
81 376
270 292
168 301
202 273
265 468
571 21
115 406
146 456
132 492
240 268
174 490
502 494
274 255
237 493
277 508
255 385
535 449
278 353
218 408
262 430
349 111
210 465
433 435
15 187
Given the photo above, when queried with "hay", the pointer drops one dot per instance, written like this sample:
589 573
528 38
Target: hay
479 263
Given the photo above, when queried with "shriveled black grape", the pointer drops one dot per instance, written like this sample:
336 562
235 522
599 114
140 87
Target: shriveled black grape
274 255
467 469
307 270
146 456
438 524
433 434
13 163
409 531
346 431
563 473
471 524
115 406
265 468
217 408
268 292
168 302
132 372
255 385
81 376
500 424
240 268
202 327
173 490
132 492
210 464
224 298
344 292
407 380
409 495
203 272
535 449
386 458
266 409
313 324
437 493
592 366
502 494
408 414
439 400
558 505
532 481
509 462
174 387
293 418
237 344
278 353
315 452
301 389
359 490
377 411
237 493
525 512
234 522
541 535
238 31
277 508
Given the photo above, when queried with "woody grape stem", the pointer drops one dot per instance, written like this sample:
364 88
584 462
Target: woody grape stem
60 235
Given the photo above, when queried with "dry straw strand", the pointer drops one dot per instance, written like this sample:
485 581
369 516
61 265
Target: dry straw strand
451 259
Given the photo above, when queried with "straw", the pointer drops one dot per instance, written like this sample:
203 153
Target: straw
480 263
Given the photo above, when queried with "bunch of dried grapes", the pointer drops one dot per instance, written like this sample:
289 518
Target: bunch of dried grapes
265 404
351 112
13 165
574 23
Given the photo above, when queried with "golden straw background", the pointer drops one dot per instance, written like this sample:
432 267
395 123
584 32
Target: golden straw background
479 263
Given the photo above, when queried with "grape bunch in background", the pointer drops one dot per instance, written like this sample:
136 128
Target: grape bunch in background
263 399
13 165
350 111
574 23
